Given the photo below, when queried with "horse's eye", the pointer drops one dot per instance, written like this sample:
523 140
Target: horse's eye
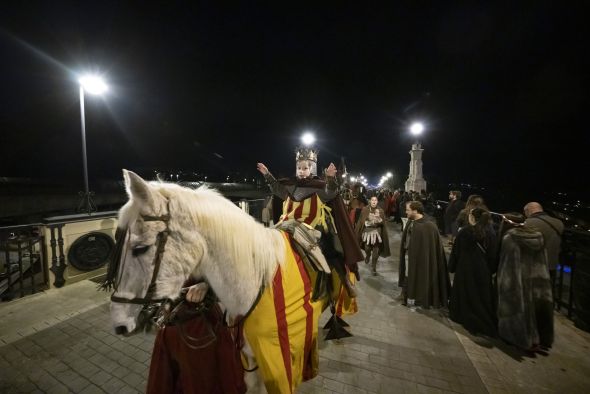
140 249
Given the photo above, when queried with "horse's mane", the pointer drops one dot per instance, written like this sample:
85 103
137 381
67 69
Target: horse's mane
253 249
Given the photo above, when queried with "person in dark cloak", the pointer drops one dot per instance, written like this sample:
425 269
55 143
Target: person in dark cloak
317 202
455 206
525 301
372 233
423 273
473 261
552 230
356 203
473 201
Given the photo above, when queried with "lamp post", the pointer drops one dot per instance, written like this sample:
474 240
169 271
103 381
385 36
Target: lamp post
415 180
308 138
93 85
416 129
307 150
386 180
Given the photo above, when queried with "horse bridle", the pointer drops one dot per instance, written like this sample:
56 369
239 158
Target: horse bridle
161 240
154 307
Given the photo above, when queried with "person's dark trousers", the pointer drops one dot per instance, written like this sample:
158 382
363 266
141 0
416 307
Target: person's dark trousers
372 254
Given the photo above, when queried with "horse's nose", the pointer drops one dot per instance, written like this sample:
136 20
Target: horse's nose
121 330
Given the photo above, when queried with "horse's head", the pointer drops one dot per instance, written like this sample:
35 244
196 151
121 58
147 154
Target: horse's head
154 256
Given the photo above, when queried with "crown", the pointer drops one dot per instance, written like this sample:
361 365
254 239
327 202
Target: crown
303 153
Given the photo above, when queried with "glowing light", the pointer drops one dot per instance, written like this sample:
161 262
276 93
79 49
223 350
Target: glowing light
389 175
93 84
308 138
417 128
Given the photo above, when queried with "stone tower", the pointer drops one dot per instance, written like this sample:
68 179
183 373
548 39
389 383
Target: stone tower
415 180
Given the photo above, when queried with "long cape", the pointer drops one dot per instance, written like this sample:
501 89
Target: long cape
428 280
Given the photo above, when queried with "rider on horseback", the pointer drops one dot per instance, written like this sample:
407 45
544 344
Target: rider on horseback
316 202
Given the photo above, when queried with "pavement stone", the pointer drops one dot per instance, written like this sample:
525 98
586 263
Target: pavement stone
60 341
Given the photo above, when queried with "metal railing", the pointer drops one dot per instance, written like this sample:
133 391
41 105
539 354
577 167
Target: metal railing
22 264
253 207
573 277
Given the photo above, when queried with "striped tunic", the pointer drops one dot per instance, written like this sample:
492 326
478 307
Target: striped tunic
311 211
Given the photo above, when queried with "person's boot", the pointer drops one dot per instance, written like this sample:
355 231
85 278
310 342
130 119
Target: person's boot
374 261
402 296
367 255
348 286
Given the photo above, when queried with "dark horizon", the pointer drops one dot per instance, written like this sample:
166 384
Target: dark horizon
216 89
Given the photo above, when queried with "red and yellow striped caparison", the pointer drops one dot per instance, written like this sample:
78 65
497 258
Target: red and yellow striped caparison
283 328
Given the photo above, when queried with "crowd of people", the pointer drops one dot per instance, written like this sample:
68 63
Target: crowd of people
504 269
503 265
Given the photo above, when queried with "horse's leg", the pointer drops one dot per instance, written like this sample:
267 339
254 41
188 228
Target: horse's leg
253 380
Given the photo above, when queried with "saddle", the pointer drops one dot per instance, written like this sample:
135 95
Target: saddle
304 239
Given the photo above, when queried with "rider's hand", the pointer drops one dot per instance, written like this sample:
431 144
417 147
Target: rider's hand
262 168
331 170
196 293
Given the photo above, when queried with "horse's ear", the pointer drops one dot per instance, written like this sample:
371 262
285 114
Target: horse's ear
137 188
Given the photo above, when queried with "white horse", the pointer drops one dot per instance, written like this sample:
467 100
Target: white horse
174 232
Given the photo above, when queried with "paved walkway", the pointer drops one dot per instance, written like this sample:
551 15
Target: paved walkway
61 341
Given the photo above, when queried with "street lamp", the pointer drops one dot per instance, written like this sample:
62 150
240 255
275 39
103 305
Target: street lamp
308 138
93 85
416 128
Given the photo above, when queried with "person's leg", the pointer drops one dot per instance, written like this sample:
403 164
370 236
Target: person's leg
448 228
367 253
374 259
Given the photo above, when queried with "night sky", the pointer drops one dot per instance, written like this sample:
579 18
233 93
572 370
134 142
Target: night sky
502 90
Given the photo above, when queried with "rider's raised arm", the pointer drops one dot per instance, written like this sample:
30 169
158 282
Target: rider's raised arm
331 189
275 187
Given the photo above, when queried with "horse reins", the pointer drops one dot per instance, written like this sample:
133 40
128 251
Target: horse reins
162 238
149 302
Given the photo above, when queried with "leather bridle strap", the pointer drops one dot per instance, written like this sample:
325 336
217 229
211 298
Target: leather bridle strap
162 239
161 247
